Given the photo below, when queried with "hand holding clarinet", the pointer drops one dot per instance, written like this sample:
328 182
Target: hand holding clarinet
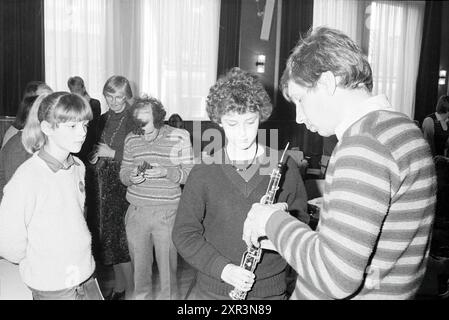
254 227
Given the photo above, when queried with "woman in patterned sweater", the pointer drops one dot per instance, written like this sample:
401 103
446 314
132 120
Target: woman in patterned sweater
157 159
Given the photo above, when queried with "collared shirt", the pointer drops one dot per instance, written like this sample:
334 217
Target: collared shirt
379 102
54 164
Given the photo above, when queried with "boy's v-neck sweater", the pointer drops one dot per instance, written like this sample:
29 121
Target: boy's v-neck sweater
209 223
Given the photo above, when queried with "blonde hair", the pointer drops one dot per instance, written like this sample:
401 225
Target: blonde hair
54 108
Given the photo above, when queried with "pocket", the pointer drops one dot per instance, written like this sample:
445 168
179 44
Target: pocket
130 213
169 216
90 290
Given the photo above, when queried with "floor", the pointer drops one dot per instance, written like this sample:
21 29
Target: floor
11 284
428 291
12 287
185 277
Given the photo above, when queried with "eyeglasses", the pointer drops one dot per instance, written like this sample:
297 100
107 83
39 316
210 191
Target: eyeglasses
115 98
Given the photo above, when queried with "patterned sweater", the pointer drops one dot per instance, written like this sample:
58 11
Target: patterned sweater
171 149
377 215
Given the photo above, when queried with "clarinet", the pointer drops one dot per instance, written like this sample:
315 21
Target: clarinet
252 255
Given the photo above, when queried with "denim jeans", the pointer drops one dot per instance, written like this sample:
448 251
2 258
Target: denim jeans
88 290
147 227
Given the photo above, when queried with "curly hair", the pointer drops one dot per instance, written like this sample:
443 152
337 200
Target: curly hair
156 107
238 91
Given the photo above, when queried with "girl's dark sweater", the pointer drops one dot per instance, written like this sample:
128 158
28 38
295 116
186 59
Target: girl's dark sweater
209 223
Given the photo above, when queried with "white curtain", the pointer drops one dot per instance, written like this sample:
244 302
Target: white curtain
166 48
183 51
344 15
394 50
390 32
74 37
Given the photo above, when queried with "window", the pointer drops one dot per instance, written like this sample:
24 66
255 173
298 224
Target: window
390 33
166 48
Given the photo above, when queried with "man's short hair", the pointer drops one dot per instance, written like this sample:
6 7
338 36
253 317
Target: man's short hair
76 84
325 49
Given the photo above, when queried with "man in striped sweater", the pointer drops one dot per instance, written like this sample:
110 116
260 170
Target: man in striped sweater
372 241
154 193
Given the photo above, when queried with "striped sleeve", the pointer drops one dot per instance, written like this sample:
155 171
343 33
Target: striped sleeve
127 164
333 259
183 157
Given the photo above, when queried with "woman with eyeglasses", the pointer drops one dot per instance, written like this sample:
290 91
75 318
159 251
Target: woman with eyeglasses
107 210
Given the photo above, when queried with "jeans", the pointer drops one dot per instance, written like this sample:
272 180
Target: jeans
88 290
147 227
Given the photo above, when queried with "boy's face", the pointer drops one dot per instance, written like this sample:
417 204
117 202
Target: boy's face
240 129
68 136
314 107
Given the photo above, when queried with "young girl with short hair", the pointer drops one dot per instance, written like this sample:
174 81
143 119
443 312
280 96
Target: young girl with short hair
42 224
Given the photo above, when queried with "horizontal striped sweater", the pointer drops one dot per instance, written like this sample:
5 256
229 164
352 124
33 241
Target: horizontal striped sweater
372 241
171 149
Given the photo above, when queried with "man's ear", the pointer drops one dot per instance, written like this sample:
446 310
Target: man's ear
328 82
47 128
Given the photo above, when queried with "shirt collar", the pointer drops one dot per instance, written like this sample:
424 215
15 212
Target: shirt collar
379 102
54 164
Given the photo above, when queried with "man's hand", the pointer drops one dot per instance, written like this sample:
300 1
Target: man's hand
238 277
254 226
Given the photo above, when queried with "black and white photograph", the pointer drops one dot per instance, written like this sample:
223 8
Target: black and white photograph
241 151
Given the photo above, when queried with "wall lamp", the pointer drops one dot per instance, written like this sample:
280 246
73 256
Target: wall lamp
442 78
260 63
